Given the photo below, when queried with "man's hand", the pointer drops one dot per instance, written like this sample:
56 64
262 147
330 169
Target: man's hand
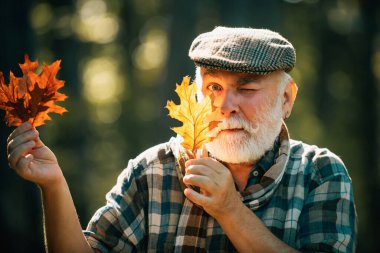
220 199
35 162
30 158
218 195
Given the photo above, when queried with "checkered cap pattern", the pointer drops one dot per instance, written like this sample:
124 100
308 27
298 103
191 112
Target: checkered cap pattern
246 50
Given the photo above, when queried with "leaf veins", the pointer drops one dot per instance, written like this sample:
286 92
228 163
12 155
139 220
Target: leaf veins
32 96
193 115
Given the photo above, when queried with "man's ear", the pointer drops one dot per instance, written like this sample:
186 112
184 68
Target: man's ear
290 94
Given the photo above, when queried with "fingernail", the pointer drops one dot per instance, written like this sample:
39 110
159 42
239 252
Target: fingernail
188 163
185 178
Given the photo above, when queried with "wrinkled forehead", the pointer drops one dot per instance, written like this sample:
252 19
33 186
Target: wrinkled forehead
205 71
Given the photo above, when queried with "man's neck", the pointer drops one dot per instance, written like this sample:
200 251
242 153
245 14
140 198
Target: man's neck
240 173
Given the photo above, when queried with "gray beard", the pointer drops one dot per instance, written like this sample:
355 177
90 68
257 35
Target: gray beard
249 145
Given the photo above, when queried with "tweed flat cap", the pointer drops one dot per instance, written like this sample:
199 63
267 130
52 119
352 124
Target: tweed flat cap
247 50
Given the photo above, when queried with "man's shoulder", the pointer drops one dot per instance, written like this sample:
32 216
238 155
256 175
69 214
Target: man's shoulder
154 160
159 155
299 149
146 171
315 160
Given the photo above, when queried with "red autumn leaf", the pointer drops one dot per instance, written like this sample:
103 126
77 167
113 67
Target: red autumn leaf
32 96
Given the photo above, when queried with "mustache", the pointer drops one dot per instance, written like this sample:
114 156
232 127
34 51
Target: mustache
234 122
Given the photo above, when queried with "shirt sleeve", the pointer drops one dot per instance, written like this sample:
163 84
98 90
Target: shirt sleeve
328 218
119 226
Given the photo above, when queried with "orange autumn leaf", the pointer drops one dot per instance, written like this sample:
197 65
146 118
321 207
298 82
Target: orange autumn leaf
193 115
32 96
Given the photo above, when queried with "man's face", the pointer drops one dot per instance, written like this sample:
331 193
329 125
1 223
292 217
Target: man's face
250 108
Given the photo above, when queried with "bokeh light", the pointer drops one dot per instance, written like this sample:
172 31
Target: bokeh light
102 83
41 17
94 23
153 49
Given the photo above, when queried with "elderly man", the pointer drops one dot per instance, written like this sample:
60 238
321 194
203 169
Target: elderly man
259 190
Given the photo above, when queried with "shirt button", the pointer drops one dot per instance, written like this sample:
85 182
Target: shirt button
255 173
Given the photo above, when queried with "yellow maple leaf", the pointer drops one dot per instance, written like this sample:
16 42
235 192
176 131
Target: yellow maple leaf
193 115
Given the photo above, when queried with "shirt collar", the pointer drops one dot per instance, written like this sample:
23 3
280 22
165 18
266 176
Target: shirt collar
269 157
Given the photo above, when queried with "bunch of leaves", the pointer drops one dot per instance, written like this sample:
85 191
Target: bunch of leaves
32 96
194 115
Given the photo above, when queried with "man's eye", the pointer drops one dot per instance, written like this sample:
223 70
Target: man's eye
247 90
214 87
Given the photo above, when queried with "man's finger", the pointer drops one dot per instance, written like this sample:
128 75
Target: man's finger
196 197
203 182
200 170
23 166
19 152
206 161
21 138
19 130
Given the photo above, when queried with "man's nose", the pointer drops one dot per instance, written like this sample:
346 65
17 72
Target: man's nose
226 103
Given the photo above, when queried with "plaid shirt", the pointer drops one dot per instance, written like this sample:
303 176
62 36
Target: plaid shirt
311 210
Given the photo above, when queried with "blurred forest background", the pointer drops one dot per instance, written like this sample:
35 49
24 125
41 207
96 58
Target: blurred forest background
121 60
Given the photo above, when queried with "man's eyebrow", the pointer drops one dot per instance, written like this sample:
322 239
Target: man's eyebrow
210 72
248 79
